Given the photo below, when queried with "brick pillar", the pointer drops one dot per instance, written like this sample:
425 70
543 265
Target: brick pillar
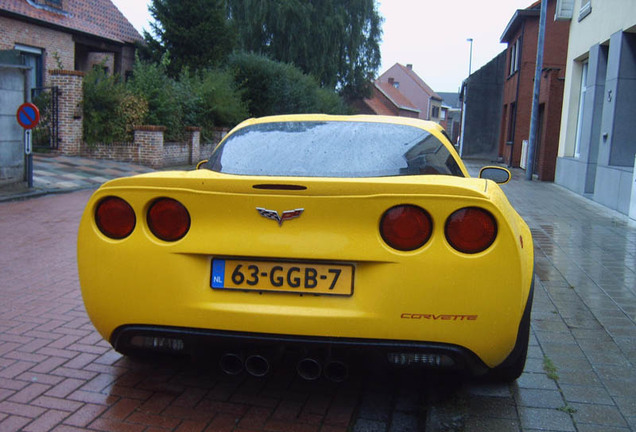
194 144
70 99
149 141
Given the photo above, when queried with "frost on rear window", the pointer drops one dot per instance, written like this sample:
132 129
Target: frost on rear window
332 149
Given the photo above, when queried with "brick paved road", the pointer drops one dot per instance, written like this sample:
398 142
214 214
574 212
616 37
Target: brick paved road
57 374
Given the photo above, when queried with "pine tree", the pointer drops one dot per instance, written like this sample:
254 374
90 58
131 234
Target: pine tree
193 34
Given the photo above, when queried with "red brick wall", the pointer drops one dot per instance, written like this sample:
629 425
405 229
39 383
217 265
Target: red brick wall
70 122
150 149
554 56
53 43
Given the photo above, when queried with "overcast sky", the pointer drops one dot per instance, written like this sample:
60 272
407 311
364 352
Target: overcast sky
429 34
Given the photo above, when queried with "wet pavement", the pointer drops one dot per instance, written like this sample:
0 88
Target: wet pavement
57 374
56 174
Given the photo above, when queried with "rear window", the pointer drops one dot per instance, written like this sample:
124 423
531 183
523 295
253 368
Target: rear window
332 149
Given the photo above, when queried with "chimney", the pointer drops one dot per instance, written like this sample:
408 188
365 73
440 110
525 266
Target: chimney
409 66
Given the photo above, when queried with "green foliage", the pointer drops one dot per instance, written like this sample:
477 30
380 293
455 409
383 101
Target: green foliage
132 111
103 95
210 99
276 88
567 409
550 368
336 41
195 33
150 82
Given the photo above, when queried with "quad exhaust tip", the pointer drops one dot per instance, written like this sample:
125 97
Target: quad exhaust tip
336 371
308 368
257 365
232 363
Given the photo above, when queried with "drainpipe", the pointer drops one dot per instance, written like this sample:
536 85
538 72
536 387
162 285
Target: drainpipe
463 123
534 119
514 119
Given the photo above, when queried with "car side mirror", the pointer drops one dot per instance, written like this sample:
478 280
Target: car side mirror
201 163
497 174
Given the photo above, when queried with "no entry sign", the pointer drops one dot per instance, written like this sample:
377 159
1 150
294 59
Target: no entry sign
28 115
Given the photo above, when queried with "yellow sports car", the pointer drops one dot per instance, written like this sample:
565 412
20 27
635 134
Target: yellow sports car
316 236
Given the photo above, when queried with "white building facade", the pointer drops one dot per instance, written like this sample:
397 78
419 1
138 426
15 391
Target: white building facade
597 144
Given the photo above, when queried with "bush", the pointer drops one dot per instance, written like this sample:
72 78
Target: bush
250 85
210 100
150 82
103 95
277 88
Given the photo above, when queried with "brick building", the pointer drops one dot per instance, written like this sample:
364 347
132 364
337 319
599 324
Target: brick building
70 35
521 36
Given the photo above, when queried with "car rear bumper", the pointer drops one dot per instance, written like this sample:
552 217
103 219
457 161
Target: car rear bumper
143 339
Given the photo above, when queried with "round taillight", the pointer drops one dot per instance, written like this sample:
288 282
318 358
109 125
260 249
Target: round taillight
406 227
115 218
471 230
168 219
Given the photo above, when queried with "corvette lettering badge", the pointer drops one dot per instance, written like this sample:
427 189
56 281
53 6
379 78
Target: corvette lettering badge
273 214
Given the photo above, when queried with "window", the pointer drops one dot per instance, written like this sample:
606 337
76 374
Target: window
579 121
332 149
586 9
515 53
32 57
434 111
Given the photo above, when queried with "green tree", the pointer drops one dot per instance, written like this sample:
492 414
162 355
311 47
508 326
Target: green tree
194 34
336 41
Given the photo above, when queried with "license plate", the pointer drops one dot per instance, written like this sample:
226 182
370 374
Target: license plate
291 277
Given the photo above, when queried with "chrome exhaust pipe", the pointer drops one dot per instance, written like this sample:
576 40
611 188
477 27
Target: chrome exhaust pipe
309 368
336 371
231 363
257 365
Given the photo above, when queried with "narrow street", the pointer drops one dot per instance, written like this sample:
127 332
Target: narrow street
57 374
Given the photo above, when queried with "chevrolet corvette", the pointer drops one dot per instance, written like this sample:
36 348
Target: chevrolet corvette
320 236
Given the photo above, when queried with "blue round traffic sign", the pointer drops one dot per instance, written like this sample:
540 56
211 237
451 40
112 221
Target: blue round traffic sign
28 115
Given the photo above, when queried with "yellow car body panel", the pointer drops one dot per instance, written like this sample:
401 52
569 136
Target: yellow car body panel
433 294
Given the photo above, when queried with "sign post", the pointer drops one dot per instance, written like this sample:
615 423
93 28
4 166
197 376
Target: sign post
28 117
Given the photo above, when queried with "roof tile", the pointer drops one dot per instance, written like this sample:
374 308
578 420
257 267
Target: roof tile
95 17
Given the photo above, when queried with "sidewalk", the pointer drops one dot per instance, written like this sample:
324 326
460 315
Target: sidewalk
56 174
580 373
